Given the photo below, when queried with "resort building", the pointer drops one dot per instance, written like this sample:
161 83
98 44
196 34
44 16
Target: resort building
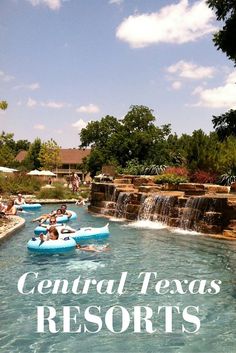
70 159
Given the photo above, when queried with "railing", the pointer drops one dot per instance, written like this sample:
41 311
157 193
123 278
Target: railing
66 171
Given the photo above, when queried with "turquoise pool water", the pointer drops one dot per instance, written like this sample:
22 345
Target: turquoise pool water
135 248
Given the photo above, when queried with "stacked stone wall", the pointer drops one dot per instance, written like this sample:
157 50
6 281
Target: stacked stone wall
202 207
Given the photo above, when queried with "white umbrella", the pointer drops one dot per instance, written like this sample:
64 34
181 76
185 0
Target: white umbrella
34 172
47 173
7 170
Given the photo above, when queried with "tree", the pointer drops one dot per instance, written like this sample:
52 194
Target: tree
227 155
200 150
224 39
32 158
144 140
97 132
94 162
22 145
225 124
7 140
7 152
7 158
117 141
3 105
49 155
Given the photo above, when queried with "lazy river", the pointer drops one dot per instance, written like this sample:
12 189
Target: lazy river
134 248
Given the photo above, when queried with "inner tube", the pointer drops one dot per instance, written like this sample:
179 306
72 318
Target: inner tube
29 206
88 233
64 218
59 246
43 230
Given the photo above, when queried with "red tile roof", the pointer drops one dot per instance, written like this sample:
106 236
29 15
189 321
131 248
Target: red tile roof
21 156
67 155
73 156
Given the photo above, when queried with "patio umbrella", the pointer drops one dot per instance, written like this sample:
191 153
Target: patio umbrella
47 173
34 172
7 170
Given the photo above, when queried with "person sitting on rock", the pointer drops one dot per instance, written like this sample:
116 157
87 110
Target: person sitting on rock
2 207
10 209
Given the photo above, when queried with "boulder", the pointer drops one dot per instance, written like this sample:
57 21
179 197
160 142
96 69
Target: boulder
150 188
209 228
216 189
122 181
182 201
131 208
213 218
98 196
229 233
173 222
138 181
191 186
233 187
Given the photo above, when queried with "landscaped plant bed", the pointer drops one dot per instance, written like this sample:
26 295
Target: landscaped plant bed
9 225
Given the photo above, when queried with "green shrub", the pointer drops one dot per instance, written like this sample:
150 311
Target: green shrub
133 167
58 193
84 193
19 183
170 179
228 178
153 169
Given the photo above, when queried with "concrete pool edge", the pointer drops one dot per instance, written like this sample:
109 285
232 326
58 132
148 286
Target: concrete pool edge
20 223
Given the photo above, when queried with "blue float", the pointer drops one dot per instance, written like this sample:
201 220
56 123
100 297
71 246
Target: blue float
59 246
64 218
43 230
84 234
29 206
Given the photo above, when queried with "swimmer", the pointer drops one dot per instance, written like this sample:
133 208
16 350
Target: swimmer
92 248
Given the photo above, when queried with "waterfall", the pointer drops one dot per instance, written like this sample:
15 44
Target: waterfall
146 208
109 191
157 208
121 204
194 212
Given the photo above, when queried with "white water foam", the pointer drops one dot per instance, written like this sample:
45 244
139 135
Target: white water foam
114 219
146 224
185 231
84 265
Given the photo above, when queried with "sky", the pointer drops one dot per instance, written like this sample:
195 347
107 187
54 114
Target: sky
64 63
